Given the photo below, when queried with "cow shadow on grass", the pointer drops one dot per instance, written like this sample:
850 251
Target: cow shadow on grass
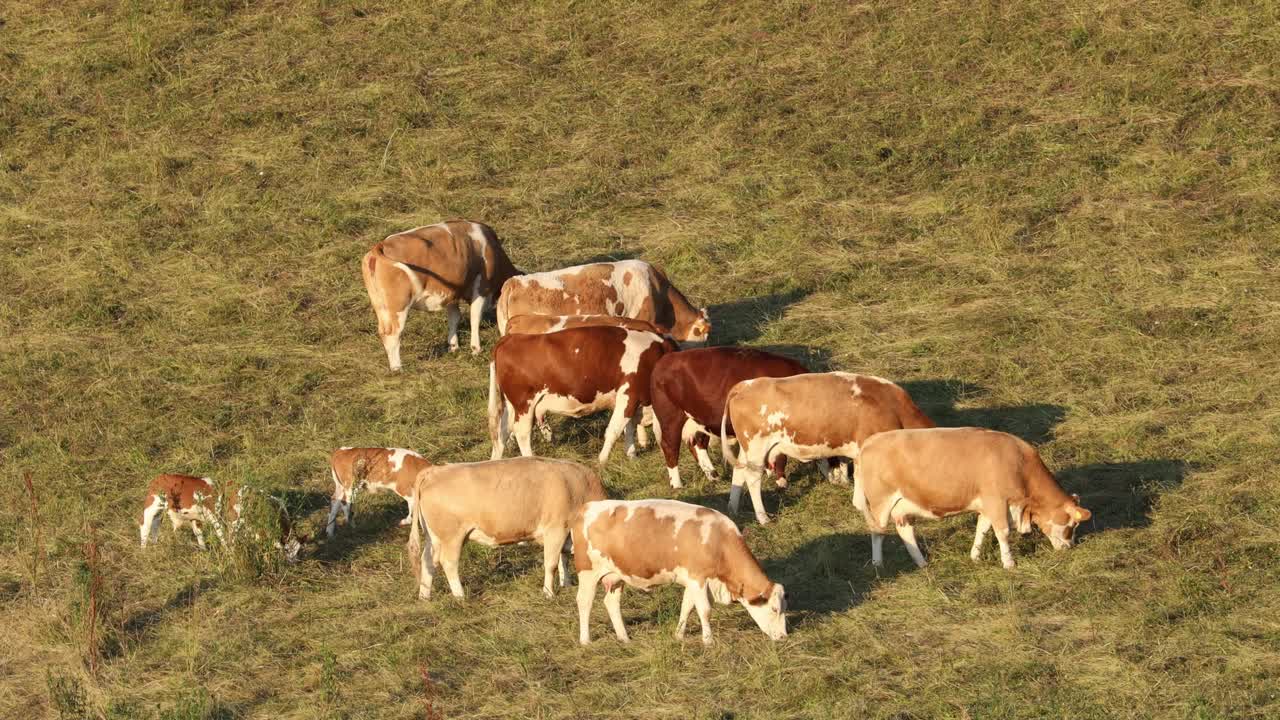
744 320
140 623
375 518
832 573
937 398
1121 494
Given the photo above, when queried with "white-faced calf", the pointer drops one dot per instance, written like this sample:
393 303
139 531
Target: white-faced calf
355 469
495 503
646 543
196 501
937 472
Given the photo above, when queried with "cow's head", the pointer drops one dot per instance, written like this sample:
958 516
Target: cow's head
699 330
1059 523
769 611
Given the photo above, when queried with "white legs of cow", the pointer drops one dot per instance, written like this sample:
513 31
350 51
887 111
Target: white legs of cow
749 472
478 306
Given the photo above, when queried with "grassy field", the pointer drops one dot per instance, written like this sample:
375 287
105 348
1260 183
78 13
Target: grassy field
1056 219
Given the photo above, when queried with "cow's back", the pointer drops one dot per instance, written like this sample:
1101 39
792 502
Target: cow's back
699 380
832 409
444 256
625 288
579 362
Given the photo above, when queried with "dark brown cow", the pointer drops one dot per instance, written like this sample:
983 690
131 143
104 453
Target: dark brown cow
626 288
688 390
194 501
806 417
434 267
573 372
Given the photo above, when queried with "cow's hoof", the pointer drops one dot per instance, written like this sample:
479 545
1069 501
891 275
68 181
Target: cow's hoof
475 350
780 482
549 593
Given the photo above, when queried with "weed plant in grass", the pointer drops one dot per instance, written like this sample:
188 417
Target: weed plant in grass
1055 219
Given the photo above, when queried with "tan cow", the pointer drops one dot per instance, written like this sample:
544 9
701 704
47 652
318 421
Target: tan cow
543 324
938 472
646 543
574 372
807 417
195 501
498 502
354 469
433 268
626 288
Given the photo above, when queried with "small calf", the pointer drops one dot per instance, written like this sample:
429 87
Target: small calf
194 501
938 472
645 543
354 469
498 502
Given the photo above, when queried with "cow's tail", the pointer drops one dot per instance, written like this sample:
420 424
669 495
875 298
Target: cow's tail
495 405
724 436
416 528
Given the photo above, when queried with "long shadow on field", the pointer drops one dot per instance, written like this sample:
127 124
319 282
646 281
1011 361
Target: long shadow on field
832 573
740 321
937 398
374 519
140 622
1120 495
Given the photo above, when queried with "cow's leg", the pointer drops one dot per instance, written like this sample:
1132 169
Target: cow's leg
540 419
1000 523
908 534
778 468
195 530
753 477
450 554
703 603
613 603
566 550
478 306
629 433
646 418
836 471
699 446
505 417
552 544
523 430
978 536
742 476
335 504
618 421
407 518
686 605
877 548
586 596
348 505
427 566
455 317
149 528
668 428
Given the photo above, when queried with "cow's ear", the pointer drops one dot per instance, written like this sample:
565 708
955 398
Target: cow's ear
1080 514
1075 498
777 600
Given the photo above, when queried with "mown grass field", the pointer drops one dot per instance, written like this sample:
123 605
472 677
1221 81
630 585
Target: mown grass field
1056 219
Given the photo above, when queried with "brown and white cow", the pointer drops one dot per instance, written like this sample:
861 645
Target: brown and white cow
688 391
574 372
543 324
807 417
195 501
937 472
626 288
354 469
434 267
498 502
646 543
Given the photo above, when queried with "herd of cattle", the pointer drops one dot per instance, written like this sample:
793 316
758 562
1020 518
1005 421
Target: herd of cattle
609 336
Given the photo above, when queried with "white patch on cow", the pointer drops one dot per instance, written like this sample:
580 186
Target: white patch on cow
396 458
775 419
572 407
764 410
477 238
553 280
345 447
478 536
560 325
673 475
635 345
414 281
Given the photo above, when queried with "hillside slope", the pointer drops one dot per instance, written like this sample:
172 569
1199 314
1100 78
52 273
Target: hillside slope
1056 219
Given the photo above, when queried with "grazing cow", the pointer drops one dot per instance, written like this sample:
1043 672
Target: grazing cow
806 417
496 503
434 267
354 469
688 390
937 472
575 372
543 324
645 543
194 501
626 288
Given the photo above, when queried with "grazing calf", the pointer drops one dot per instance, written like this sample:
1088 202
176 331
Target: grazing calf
688 391
354 469
194 501
945 471
496 503
806 417
626 288
645 543
575 372
434 267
